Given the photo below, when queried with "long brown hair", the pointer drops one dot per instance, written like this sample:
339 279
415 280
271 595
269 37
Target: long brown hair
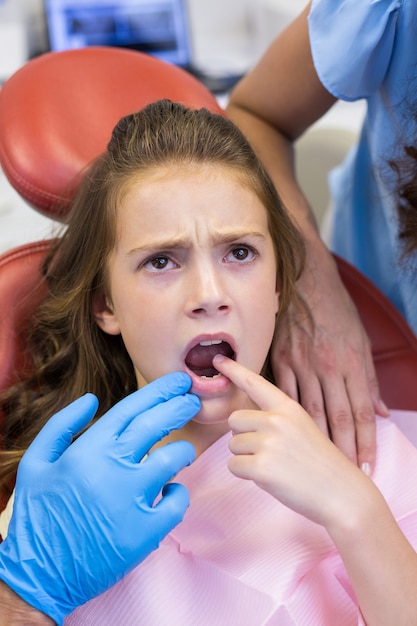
70 355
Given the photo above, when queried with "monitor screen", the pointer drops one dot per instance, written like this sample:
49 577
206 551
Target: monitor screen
158 27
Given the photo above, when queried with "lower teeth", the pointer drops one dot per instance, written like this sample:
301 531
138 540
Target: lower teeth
211 377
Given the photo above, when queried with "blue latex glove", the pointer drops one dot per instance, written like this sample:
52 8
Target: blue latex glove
84 513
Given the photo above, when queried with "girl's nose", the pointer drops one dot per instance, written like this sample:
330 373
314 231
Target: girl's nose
207 295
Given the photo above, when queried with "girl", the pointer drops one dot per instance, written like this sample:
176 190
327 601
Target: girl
179 257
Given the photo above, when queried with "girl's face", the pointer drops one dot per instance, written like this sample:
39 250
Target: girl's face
193 273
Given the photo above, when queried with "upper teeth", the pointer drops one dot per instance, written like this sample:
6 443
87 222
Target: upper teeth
210 342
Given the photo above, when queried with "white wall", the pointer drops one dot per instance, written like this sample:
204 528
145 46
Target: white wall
26 18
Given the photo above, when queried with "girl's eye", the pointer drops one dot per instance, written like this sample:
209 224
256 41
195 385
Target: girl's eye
241 253
158 263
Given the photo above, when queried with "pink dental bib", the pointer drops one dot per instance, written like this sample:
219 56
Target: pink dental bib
241 558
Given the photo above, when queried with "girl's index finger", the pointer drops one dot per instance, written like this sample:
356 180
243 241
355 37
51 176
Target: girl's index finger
265 395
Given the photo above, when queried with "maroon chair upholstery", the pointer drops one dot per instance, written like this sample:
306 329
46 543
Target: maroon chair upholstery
21 289
394 345
56 115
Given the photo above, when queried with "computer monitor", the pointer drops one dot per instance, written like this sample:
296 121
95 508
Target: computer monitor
158 27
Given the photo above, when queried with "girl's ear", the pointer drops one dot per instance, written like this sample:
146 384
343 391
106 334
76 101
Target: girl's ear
104 315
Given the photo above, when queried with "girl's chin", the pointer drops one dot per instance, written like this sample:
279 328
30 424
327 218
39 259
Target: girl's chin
218 410
206 418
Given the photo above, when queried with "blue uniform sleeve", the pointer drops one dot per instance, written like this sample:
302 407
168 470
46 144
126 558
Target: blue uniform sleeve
352 43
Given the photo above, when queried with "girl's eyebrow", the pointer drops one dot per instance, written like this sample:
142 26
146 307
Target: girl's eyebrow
181 242
230 236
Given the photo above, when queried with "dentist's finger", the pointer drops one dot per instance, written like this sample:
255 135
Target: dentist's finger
153 425
162 465
122 414
58 433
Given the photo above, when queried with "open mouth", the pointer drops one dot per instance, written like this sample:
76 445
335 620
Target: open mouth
200 358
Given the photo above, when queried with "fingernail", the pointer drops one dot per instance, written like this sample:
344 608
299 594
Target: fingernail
381 408
385 409
218 358
366 468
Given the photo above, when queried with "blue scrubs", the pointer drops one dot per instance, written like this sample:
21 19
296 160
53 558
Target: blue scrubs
368 49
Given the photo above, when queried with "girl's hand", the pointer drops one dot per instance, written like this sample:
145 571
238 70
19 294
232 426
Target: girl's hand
284 452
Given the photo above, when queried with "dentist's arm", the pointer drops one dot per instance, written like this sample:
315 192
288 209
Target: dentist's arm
283 451
96 492
16 612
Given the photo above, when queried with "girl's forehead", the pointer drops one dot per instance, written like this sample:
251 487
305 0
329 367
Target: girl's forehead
189 170
172 184
192 197
179 187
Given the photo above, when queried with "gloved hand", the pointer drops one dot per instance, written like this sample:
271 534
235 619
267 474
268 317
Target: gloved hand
84 512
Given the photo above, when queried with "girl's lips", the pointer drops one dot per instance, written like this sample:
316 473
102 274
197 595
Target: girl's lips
200 358
199 354
207 386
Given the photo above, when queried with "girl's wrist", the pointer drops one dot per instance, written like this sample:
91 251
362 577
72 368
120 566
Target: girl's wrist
357 519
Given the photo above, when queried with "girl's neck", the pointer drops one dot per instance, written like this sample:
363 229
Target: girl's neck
202 436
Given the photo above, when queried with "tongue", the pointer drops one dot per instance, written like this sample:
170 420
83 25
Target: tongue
199 359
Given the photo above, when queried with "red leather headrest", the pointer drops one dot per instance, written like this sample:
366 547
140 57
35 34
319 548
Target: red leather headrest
57 113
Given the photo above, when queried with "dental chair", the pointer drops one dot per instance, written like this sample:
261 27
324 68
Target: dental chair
56 115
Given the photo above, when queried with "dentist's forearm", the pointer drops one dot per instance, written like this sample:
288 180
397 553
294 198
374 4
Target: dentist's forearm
16 612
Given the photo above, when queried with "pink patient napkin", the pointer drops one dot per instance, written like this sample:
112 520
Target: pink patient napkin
241 558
